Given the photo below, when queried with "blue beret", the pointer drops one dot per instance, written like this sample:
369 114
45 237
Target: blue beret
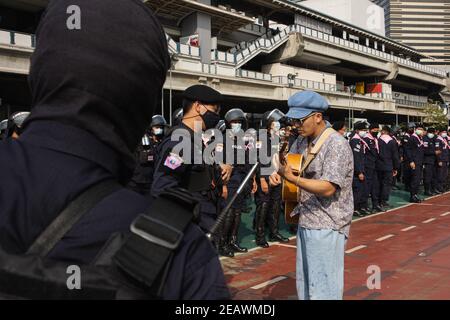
302 104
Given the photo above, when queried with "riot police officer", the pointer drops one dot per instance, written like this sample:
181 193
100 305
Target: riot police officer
237 155
414 155
145 156
268 198
359 148
186 168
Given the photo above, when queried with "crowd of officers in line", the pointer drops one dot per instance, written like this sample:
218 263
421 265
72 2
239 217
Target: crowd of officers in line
158 168
384 156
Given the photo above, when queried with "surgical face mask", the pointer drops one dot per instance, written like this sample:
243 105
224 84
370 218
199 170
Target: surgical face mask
276 126
158 131
236 127
444 135
419 132
430 135
363 134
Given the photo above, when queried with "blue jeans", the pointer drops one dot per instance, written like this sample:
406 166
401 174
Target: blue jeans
320 264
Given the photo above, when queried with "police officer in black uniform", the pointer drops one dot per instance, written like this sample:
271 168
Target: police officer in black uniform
414 156
443 159
371 159
237 154
359 148
89 112
387 166
186 168
406 168
268 198
145 156
430 162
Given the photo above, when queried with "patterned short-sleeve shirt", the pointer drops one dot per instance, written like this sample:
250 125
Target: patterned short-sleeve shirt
333 163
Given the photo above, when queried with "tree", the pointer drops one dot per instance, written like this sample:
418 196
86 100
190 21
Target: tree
435 116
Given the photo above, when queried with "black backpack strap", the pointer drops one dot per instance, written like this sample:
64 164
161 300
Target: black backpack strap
70 216
147 253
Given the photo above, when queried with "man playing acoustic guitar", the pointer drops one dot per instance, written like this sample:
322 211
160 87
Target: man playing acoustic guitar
325 203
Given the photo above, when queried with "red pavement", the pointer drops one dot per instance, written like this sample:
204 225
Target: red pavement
414 263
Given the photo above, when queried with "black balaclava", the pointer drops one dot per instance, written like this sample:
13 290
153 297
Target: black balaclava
104 78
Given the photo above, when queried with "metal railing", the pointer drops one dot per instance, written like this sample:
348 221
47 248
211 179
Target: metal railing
362 48
13 38
253 75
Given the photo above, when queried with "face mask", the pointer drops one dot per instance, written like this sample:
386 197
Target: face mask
374 133
363 134
158 131
210 119
236 127
276 126
444 134
419 132
430 135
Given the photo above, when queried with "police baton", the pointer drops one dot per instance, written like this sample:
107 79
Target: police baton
223 214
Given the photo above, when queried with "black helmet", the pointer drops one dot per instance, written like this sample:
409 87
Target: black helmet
177 116
158 121
235 115
19 118
15 122
3 125
271 116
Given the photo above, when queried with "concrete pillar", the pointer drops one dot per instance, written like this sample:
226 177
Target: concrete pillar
199 23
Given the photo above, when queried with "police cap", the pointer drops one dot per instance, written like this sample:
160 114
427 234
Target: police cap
203 94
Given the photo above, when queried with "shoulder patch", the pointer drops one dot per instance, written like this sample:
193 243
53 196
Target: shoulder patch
173 161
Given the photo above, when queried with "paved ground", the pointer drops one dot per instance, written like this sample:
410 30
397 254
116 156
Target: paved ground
397 199
410 246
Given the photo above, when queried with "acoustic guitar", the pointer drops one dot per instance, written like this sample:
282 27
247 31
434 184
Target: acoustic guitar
290 192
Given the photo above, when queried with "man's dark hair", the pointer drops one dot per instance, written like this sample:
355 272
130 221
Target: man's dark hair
187 105
338 125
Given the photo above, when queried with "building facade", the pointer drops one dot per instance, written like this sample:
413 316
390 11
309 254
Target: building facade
422 24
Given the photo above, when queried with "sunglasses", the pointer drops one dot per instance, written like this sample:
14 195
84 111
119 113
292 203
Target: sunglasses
300 122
